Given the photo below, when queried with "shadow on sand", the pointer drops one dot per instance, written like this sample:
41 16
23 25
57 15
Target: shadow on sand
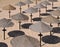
56 30
16 33
3 44
51 39
26 25
37 19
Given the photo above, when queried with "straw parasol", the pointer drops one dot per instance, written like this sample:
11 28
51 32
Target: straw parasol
53 2
39 6
45 3
31 10
24 41
20 17
20 4
50 20
9 7
28 2
4 23
40 27
56 13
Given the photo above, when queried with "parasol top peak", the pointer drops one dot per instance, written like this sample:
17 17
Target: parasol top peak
9 7
28 2
19 17
40 27
51 19
31 10
20 3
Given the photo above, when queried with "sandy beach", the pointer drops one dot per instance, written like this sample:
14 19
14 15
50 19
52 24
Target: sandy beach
4 14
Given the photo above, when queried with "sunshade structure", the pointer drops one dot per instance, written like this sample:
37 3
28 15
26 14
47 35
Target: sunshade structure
9 8
31 10
24 41
5 2
20 17
39 6
45 3
53 2
56 13
28 2
50 20
40 27
20 4
4 23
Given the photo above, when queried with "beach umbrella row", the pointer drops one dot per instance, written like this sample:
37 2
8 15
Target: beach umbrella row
29 10
38 27
41 27
42 5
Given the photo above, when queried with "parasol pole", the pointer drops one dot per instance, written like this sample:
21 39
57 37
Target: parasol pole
58 24
9 13
19 24
20 9
46 8
31 17
28 5
4 33
40 35
36 2
52 5
50 31
58 17
39 12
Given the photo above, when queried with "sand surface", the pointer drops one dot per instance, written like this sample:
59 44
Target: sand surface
4 14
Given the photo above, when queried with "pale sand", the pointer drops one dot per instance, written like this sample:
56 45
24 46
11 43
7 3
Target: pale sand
4 14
